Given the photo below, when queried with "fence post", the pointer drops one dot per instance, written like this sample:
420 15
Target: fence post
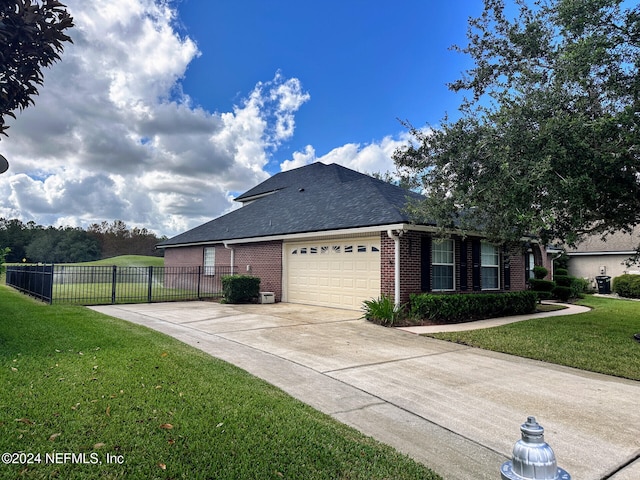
150 283
50 283
114 274
199 279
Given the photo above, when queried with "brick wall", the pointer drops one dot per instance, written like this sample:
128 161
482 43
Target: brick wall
518 267
184 256
262 260
411 265
410 261
387 265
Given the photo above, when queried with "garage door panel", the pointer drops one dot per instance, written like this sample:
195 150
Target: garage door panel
339 273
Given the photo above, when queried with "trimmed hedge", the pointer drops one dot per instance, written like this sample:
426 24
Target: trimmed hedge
539 272
562 292
627 285
240 288
457 308
541 285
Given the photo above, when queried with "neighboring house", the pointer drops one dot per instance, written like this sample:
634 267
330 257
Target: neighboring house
327 235
593 256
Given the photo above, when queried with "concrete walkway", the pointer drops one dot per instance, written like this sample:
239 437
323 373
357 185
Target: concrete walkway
454 408
495 322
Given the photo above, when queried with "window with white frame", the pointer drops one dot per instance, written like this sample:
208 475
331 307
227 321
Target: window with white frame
209 261
490 270
442 265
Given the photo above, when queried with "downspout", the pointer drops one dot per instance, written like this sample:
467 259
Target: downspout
233 255
396 249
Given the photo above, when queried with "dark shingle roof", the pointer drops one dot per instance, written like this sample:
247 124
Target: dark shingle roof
313 198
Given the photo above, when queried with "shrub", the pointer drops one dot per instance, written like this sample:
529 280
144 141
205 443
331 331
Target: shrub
541 285
456 308
627 285
539 272
561 292
580 286
240 288
382 311
562 280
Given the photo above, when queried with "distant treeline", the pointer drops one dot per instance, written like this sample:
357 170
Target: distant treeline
34 243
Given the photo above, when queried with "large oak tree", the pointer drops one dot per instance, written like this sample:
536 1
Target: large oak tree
31 37
548 141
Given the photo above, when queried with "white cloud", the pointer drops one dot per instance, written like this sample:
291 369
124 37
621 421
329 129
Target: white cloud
375 157
112 135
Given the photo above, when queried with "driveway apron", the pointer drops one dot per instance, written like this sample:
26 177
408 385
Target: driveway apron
454 408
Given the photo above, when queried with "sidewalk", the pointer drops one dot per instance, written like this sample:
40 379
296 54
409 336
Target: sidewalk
494 322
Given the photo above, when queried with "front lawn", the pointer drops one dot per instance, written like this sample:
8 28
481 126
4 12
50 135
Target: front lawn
599 341
86 396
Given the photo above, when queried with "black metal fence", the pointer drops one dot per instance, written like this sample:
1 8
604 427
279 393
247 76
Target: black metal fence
36 280
94 285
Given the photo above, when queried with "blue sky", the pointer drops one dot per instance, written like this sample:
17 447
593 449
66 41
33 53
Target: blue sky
365 64
161 112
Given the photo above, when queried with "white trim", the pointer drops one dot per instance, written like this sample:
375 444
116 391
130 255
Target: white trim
452 265
233 253
327 233
285 274
300 236
395 236
585 254
209 261
495 266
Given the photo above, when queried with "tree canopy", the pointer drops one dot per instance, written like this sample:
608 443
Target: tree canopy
31 37
35 243
548 141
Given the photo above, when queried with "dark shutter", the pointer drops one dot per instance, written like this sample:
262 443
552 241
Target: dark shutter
506 262
475 261
425 264
463 266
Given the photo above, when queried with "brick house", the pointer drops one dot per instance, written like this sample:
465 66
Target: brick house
327 235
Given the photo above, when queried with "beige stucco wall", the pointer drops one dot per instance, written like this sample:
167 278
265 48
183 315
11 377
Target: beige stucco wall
589 266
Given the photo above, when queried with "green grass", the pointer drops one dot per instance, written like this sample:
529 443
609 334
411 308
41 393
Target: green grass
79 382
599 341
126 261
119 261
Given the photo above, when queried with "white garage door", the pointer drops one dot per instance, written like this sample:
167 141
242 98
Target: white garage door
333 273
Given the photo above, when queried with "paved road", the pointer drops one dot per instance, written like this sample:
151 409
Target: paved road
454 408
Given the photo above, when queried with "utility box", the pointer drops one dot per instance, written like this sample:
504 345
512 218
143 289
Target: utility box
267 297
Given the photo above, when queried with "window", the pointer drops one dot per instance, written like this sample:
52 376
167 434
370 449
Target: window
210 261
362 248
442 265
490 267
348 249
531 263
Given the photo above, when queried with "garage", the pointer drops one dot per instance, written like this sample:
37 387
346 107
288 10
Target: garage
334 273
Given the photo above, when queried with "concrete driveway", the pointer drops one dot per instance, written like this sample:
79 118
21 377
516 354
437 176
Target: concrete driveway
454 408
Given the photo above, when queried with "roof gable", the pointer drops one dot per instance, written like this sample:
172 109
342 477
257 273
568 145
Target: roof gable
313 198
